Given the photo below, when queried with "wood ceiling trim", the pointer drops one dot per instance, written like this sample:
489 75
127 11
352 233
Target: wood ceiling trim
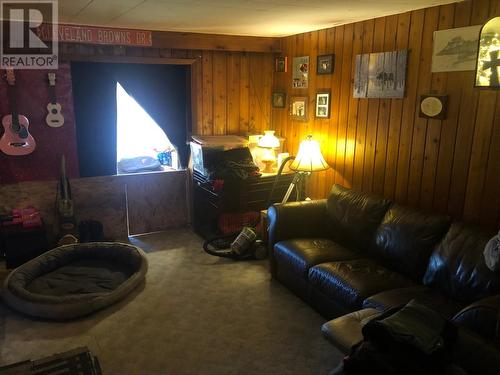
215 42
128 59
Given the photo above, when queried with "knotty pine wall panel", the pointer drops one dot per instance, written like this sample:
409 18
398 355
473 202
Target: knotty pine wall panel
234 92
382 145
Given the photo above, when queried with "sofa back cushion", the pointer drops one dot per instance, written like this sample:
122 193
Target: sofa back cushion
457 266
354 216
406 238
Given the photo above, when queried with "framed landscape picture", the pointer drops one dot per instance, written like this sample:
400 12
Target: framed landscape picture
298 108
323 104
325 64
380 75
455 49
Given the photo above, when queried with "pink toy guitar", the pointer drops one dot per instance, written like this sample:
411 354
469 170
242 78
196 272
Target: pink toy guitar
16 140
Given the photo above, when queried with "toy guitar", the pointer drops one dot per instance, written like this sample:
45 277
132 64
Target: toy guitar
16 139
54 118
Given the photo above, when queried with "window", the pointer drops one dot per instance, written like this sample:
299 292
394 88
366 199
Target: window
138 135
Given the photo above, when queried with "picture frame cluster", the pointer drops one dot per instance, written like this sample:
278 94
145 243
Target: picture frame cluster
298 106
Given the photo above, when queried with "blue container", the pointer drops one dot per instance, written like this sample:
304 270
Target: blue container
165 158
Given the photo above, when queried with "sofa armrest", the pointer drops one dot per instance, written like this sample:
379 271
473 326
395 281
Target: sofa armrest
297 220
482 317
304 219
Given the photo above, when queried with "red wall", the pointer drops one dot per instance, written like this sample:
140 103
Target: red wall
32 90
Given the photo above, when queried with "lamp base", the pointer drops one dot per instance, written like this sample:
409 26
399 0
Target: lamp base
268 166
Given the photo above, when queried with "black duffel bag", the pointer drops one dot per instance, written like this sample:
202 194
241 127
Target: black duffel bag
411 340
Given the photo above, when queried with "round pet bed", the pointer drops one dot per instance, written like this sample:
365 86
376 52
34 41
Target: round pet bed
75 280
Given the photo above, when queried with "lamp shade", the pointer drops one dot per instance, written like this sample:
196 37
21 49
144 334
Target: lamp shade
309 157
269 140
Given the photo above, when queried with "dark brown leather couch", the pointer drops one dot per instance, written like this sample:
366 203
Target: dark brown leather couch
355 251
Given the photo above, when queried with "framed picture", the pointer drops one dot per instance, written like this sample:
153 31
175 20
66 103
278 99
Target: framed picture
279 99
455 49
298 108
281 64
380 75
488 57
323 104
433 106
300 73
325 64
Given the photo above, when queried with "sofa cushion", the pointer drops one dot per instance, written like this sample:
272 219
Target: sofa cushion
354 216
303 253
421 294
457 266
349 283
406 238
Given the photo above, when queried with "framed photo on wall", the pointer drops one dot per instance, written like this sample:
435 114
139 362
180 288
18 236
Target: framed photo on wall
281 64
455 49
300 72
298 108
279 99
325 64
323 104
380 75
433 106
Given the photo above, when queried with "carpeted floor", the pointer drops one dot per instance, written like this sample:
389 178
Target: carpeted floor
196 314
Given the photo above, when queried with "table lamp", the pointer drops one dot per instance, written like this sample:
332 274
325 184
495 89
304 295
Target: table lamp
309 159
269 142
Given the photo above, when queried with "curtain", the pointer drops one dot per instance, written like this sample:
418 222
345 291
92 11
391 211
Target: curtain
94 98
160 89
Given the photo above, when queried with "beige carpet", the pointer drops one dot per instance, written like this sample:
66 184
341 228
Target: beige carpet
196 314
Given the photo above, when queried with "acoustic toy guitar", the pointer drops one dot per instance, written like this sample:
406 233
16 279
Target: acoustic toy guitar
16 139
54 117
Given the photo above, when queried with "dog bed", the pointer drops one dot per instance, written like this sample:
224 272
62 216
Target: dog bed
74 280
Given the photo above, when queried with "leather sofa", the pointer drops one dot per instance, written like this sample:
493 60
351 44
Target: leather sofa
356 251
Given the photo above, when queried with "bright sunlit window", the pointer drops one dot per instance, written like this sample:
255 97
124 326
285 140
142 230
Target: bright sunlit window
138 135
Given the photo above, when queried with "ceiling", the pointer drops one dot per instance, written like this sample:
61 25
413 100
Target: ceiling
235 17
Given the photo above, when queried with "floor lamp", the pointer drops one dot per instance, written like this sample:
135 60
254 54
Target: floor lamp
309 159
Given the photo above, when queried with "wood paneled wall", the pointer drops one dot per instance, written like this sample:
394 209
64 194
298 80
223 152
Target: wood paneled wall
230 90
382 145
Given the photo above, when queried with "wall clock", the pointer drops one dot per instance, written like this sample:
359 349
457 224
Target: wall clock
433 106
